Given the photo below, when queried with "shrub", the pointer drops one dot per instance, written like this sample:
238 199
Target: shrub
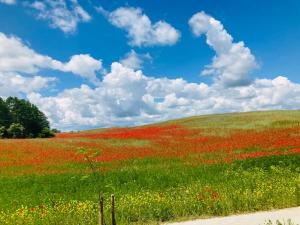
46 133
16 130
56 131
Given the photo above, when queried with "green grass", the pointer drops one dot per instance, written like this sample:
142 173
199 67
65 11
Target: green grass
153 190
247 120
243 186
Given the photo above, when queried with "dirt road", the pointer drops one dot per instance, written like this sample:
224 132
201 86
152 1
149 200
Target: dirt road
258 218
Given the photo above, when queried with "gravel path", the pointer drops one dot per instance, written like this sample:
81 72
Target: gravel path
258 218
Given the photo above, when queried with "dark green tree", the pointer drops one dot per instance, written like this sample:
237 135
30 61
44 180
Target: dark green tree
3 132
5 116
28 115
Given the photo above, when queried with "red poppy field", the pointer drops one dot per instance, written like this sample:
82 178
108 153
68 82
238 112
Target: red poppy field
197 166
176 139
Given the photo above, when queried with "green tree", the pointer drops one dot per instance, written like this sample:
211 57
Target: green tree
2 132
16 130
5 116
29 116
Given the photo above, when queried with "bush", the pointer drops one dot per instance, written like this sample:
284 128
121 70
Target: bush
56 131
16 130
46 133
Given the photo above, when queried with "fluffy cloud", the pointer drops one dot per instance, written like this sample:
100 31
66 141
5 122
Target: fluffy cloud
61 14
141 31
233 61
128 97
123 97
9 2
15 56
13 84
134 60
85 66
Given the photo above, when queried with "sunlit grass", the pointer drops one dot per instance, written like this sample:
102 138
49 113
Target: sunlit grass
194 167
156 190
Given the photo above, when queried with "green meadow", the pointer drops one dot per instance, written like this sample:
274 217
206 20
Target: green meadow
156 189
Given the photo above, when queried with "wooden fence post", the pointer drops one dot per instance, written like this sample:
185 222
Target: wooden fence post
101 210
113 217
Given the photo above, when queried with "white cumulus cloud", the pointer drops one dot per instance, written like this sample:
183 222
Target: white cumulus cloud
85 66
134 60
13 84
129 97
141 31
233 61
62 14
15 56
123 97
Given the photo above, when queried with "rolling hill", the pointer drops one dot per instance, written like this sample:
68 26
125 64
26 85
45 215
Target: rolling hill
192 167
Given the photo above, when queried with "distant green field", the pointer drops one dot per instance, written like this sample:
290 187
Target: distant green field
188 168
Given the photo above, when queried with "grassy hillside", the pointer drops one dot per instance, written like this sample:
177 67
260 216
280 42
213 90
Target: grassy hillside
192 167
244 120
247 120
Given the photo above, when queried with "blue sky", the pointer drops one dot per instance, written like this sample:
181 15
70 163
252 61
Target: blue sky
170 52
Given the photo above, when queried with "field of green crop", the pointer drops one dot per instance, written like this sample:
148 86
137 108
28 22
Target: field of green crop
190 168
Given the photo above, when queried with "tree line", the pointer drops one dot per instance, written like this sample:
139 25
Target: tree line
21 119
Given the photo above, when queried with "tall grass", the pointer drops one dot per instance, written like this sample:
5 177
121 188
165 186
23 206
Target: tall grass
154 190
